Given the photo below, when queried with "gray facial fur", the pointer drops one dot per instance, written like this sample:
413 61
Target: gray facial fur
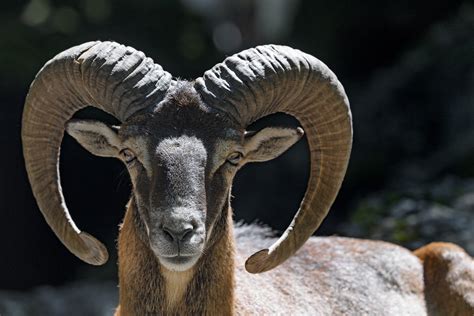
178 201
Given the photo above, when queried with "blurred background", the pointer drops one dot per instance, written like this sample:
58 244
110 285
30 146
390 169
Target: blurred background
407 67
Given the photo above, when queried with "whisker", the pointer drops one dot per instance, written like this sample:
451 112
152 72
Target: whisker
121 178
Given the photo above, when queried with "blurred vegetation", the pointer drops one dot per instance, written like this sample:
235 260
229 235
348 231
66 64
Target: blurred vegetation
407 68
418 214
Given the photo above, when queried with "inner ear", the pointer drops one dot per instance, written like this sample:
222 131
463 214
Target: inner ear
269 142
97 137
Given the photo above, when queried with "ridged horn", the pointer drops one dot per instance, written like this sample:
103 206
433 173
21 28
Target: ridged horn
117 79
268 79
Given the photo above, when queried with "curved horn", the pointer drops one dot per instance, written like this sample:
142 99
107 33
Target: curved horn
268 79
117 79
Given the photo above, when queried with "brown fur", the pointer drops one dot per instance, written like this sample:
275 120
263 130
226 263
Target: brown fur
144 290
448 278
184 95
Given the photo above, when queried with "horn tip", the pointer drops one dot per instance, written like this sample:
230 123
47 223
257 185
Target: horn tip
258 263
96 253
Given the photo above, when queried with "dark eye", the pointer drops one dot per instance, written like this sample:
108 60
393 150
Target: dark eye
127 155
234 158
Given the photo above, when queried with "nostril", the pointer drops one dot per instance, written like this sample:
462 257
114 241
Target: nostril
187 233
168 234
174 235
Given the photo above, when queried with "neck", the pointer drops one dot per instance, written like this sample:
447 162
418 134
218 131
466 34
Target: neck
146 287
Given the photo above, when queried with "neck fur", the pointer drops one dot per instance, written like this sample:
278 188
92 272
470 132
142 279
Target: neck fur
146 287
176 284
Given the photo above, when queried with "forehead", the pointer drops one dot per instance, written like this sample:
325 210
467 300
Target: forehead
182 115
175 122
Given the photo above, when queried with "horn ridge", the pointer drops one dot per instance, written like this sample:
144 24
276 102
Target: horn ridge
273 78
117 79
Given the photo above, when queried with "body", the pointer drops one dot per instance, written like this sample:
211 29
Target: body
328 276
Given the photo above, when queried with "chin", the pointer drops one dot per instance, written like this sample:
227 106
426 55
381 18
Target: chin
178 263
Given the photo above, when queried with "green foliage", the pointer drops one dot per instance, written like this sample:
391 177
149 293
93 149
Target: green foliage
402 232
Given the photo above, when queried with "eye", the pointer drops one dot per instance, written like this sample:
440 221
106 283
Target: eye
235 158
127 155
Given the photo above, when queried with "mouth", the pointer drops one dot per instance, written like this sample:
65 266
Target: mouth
179 262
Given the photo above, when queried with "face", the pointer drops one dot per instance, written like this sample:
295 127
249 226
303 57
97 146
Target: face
175 170
181 160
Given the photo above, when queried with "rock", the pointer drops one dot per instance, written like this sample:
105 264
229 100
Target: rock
81 298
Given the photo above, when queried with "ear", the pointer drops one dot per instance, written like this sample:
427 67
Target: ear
98 138
269 143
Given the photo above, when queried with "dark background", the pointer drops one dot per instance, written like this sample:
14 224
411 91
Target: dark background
407 67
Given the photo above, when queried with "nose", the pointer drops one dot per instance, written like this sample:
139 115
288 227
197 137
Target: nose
181 232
